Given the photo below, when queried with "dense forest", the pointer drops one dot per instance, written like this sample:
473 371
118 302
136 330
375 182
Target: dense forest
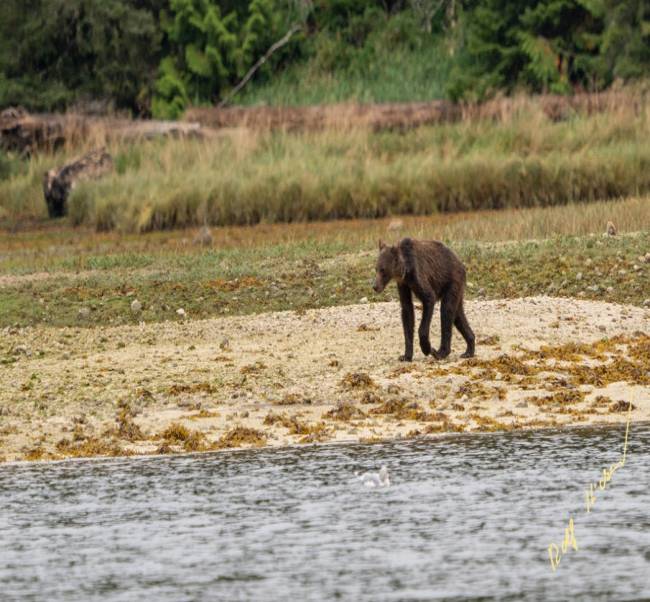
156 57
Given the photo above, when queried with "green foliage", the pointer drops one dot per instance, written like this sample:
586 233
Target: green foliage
372 59
159 56
57 52
625 50
9 165
210 51
544 46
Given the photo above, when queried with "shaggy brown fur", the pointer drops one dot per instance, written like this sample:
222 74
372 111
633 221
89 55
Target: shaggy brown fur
432 272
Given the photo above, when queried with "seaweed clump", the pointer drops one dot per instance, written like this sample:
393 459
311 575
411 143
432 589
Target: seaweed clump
193 388
289 399
487 424
559 398
357 380
126 427
402 409
178 434
90 446
344 411
240 435
621 406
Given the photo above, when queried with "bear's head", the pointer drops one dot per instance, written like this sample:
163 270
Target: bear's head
388 266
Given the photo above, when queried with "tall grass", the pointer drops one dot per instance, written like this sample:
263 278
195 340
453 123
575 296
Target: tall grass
245 177
371 59
400 75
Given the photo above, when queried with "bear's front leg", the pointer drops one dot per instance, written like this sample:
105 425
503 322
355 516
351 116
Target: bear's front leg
425 325
408 321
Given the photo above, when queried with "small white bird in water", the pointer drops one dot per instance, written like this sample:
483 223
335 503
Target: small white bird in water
373 479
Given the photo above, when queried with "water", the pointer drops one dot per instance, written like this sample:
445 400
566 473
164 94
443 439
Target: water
466 517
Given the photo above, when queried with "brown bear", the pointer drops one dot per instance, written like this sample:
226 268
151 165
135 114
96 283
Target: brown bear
433 272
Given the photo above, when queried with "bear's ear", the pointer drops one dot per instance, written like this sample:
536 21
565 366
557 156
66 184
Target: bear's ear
382 245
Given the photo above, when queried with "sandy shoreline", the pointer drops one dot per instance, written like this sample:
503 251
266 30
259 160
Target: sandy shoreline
327 375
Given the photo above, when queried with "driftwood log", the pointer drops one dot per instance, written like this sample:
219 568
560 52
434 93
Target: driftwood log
58 183
26 133
22 133
406 115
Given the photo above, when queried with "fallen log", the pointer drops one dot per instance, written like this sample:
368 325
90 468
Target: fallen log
58 183
24 133
406 115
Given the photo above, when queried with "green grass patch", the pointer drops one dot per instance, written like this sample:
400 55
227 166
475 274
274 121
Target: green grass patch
302 275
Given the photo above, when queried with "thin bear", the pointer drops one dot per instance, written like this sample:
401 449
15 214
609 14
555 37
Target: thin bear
432 272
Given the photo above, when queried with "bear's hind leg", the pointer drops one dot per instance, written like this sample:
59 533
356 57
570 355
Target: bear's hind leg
448 309
464 328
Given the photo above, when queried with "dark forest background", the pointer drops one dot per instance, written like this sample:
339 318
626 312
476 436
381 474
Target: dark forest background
156 57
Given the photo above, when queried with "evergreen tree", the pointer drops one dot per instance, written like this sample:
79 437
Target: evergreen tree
560 39
625 51
541 45
210 51
60 51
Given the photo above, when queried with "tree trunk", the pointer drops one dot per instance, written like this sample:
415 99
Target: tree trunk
57 183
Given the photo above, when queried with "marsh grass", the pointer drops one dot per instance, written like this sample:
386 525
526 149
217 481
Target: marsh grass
242 177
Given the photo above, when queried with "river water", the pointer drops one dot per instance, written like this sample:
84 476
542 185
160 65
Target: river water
466 517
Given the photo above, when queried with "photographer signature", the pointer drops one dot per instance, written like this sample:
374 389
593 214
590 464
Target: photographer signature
557 551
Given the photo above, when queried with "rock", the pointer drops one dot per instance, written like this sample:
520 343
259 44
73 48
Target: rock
395 225
204 237
84 313
58 183
611 229
136 306
363 300
181 312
